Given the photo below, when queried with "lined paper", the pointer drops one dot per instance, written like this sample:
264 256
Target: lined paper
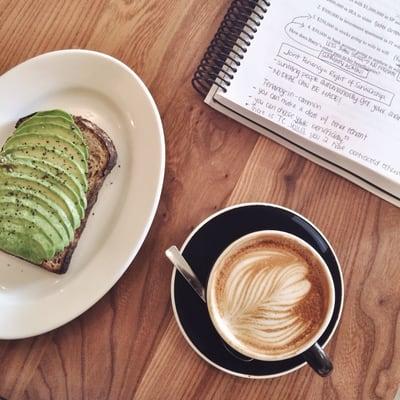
328 72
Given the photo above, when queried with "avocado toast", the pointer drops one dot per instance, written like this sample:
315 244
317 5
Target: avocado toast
51 170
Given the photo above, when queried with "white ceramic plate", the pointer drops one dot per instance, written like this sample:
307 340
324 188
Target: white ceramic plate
103 89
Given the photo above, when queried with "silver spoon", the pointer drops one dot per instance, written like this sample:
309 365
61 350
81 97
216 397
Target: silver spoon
180 263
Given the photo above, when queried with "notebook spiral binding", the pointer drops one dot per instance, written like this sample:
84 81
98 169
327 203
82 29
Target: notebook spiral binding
230 42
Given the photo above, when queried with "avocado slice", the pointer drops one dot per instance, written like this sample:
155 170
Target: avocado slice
54 194
24 241
33 170
31 216
38 119
71 133
43 204
54 113
49 141
55 157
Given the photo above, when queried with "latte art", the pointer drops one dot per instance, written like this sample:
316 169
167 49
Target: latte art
267 297
260 297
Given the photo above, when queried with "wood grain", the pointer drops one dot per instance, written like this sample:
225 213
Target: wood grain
128 345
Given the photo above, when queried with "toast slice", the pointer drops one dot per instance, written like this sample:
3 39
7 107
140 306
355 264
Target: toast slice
102 159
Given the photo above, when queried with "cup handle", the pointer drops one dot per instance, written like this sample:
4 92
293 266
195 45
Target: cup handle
318 360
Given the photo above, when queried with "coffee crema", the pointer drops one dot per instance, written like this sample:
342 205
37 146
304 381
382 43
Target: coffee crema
268 296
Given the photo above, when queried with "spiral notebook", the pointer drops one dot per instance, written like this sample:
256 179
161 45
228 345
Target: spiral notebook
321 77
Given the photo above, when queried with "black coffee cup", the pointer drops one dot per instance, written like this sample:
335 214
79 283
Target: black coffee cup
314 354
217 233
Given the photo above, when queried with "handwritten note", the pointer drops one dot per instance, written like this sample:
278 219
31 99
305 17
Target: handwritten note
327 71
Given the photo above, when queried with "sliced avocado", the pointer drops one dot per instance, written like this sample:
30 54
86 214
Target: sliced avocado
71 133
20 239
54 194
60 174
38 119
43 184
43 204
56 113
50 142
32 202
31 216
50 155
20 245
34 171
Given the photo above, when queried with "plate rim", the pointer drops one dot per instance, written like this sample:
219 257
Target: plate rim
175 312
26 333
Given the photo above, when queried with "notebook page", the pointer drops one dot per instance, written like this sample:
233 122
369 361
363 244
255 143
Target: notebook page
329 72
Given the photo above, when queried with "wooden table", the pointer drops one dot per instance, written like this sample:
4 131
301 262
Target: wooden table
128 345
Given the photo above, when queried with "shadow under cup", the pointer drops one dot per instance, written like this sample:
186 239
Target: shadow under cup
310 349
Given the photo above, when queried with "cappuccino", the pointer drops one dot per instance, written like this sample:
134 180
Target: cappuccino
270 295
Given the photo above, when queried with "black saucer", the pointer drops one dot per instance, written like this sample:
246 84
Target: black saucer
203 247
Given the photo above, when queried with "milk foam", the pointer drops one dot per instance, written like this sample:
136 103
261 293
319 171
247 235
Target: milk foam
260 293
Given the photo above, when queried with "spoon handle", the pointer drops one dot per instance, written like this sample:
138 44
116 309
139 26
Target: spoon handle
174 255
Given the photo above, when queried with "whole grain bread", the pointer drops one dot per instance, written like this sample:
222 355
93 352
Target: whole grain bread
102 159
